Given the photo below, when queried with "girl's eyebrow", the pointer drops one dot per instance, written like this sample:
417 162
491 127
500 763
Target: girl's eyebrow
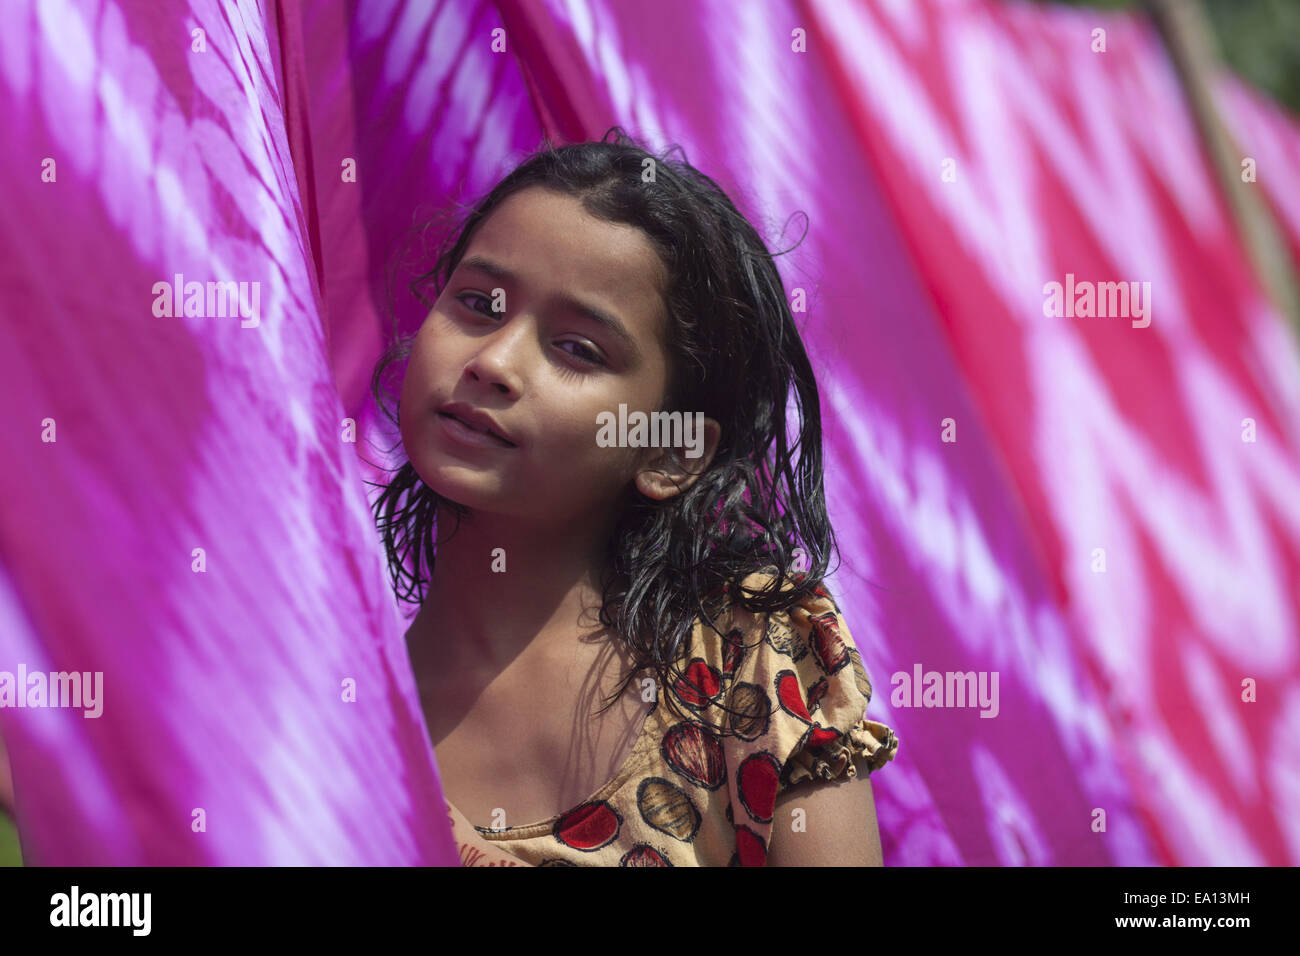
599 316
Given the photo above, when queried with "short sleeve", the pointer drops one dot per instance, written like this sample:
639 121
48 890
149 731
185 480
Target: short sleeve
795 694
802 673
821 689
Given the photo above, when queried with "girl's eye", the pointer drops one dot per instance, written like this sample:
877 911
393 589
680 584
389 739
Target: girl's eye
591 356
584 353
475 295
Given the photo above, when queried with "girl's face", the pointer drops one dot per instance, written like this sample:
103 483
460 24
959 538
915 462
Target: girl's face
580 329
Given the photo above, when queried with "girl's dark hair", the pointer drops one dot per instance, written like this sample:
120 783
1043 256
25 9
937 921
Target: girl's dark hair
736 355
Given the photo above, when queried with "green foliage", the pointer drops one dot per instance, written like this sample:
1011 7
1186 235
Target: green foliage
1259 40
10 852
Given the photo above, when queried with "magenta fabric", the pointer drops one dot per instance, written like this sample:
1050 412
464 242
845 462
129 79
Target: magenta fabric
1120 735
1117 438
225 736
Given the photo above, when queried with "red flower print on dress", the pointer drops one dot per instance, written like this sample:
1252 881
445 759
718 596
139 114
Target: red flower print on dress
643 855
756 782
790 696
588 827
828 646
706 680
733 651
750 848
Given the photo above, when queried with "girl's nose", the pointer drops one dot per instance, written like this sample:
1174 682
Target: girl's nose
500 358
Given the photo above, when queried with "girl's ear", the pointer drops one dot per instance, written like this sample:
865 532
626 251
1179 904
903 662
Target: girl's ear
665 472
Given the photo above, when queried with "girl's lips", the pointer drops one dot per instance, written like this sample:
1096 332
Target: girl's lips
457 430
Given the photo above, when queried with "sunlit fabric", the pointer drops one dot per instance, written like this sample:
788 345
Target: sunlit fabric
197 530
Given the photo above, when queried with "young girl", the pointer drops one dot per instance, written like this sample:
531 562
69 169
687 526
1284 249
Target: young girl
675 573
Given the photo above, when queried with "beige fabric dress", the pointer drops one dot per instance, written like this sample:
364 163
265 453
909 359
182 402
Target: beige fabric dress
687 796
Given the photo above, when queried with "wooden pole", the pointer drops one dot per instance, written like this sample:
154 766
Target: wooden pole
1191 44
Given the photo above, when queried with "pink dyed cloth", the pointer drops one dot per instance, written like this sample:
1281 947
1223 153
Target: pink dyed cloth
197 530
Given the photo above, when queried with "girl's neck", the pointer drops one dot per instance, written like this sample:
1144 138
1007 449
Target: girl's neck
501 589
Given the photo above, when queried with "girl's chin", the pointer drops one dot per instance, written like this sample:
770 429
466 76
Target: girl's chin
464 486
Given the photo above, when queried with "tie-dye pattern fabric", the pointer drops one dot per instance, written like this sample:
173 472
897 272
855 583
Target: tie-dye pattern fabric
186 513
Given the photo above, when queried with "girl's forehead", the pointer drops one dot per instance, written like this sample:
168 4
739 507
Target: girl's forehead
544 226
544 242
